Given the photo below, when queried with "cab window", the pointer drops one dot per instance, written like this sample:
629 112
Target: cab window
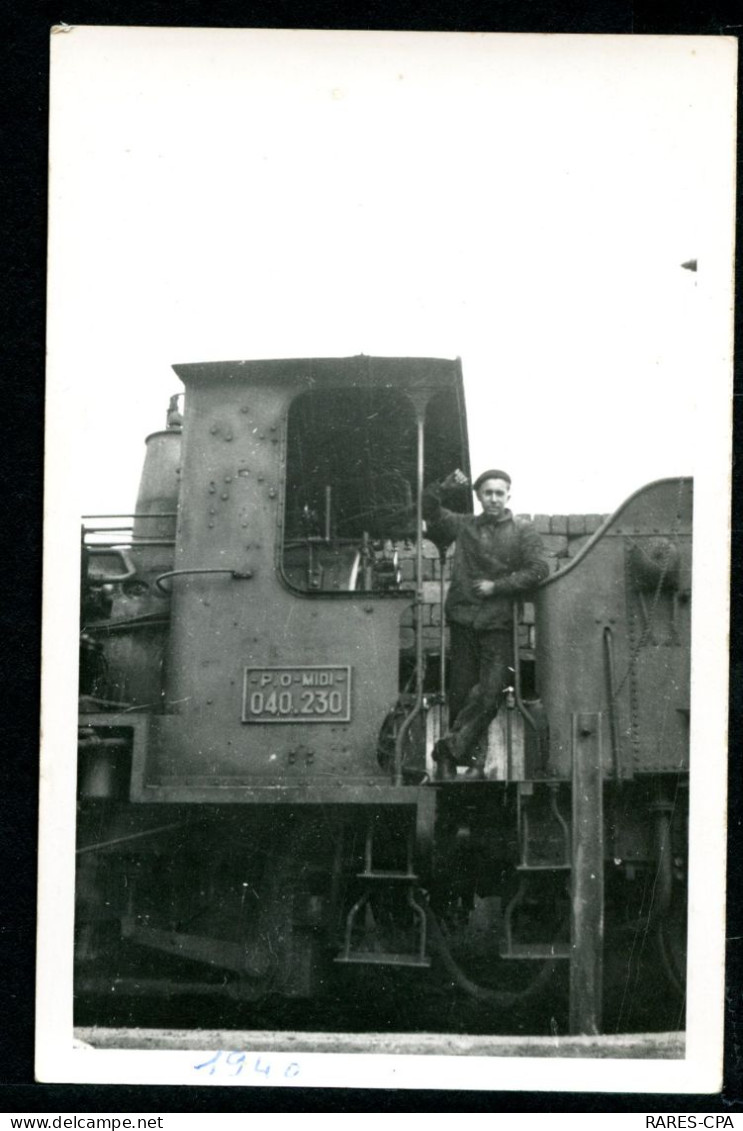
350 489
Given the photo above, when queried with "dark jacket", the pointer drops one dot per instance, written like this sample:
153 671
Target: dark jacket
507 551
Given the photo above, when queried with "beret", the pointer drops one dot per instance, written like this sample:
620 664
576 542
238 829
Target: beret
492 473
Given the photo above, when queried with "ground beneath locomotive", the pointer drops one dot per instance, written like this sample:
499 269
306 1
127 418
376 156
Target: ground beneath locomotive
640 1001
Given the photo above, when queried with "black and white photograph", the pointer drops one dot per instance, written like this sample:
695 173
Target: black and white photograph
386 559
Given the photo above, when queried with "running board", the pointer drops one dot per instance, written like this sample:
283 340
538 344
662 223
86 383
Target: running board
380 958
542 951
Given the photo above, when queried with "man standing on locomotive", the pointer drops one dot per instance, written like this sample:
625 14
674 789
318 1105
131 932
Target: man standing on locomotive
497 559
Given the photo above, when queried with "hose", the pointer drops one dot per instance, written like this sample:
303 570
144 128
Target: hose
503 999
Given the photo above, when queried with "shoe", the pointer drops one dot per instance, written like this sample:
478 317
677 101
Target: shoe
446 763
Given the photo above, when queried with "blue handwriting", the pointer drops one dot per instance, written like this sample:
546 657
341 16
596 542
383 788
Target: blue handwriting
235 1063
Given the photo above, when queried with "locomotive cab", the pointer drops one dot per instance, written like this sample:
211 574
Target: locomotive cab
294 566
264 678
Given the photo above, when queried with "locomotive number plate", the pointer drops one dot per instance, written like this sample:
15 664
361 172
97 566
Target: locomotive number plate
302 694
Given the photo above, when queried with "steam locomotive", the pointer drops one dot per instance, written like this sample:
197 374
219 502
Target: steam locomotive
263 671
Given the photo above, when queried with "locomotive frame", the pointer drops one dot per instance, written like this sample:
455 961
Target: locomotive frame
335 856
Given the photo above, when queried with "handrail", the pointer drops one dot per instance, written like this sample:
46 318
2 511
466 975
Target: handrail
237 574
136 514
419 674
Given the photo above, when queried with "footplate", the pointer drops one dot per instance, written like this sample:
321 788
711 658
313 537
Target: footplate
377 958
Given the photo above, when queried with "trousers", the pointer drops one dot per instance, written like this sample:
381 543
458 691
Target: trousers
481 670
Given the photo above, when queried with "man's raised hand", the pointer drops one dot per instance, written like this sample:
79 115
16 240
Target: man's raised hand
455 479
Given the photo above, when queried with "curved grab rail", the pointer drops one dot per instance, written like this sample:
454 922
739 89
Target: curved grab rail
238 575
602 530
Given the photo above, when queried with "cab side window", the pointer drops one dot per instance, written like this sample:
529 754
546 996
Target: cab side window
350 489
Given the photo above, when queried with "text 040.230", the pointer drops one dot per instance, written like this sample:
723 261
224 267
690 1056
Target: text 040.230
297 694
